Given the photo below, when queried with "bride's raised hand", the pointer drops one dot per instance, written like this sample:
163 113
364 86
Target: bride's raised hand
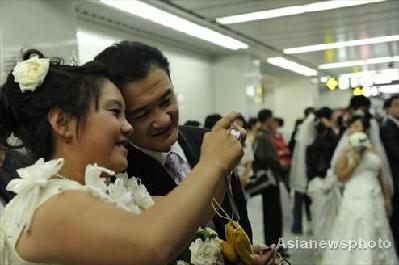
219 149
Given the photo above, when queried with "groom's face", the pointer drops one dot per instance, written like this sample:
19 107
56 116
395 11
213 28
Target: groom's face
151 108
394 108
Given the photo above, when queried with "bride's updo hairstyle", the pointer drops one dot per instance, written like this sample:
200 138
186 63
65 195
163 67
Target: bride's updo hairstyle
24 112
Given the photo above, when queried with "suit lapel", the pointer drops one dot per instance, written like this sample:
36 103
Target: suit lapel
151 173
189 150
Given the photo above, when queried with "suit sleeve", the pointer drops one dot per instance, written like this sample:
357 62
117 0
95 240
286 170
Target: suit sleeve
390 140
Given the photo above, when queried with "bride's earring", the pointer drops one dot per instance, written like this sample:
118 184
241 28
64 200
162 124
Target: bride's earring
68 136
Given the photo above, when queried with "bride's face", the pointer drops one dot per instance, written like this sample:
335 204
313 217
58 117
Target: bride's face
356 126
104 133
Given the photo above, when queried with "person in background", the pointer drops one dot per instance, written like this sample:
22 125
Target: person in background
390 139
321 151
210 120
244 168
10 161
252 129
277 139
283 153
291 143
366 202
266 164
192 123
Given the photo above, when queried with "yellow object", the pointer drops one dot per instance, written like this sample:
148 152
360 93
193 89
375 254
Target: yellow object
237 242
331 83
358 91
229 251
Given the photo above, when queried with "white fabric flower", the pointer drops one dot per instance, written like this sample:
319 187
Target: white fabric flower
93 177
140 194
206 252
35 176
33 179
30 74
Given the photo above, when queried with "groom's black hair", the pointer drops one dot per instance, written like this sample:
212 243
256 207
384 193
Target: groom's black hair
131 61
359 102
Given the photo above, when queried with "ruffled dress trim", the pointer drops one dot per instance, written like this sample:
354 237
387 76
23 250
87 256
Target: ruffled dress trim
36 185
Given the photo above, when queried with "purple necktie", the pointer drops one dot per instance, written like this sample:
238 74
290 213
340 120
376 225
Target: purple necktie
177 167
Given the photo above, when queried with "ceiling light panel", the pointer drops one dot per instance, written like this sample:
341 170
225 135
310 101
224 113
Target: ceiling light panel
293 10
342 44
292 66
169 20
359 62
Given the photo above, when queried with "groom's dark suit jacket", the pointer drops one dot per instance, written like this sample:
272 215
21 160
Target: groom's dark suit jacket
159 183
390 138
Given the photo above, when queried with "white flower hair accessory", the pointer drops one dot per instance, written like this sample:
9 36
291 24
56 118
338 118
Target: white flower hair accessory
30 74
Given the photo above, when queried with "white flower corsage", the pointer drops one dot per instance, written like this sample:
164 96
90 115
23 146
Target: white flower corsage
30 74
205 249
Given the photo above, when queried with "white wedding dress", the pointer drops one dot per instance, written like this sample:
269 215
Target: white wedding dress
362 216
37 185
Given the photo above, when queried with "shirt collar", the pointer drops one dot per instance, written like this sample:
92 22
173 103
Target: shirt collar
392 118
161 156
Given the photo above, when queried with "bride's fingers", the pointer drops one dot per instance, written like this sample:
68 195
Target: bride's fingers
242 131
226 121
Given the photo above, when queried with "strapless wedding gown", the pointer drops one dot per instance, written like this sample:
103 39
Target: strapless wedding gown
362 216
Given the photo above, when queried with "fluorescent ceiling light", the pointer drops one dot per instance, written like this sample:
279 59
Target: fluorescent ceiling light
392 89
293 10
166 19
292 66
335 45
359 62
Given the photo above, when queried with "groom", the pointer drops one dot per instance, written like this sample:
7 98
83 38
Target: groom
163 152
390 139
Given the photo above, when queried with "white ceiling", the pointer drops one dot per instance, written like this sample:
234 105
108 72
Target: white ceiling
268 37
366 21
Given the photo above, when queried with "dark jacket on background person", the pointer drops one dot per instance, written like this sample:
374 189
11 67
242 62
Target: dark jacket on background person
266 159
390 138
320 153
159 183
265 154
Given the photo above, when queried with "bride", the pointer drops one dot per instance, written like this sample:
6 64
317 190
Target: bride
72 118
365 203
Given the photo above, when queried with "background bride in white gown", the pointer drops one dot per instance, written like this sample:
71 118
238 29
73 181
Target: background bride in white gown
364 207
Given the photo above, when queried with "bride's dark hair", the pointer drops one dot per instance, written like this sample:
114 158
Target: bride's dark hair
363 119
70 88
